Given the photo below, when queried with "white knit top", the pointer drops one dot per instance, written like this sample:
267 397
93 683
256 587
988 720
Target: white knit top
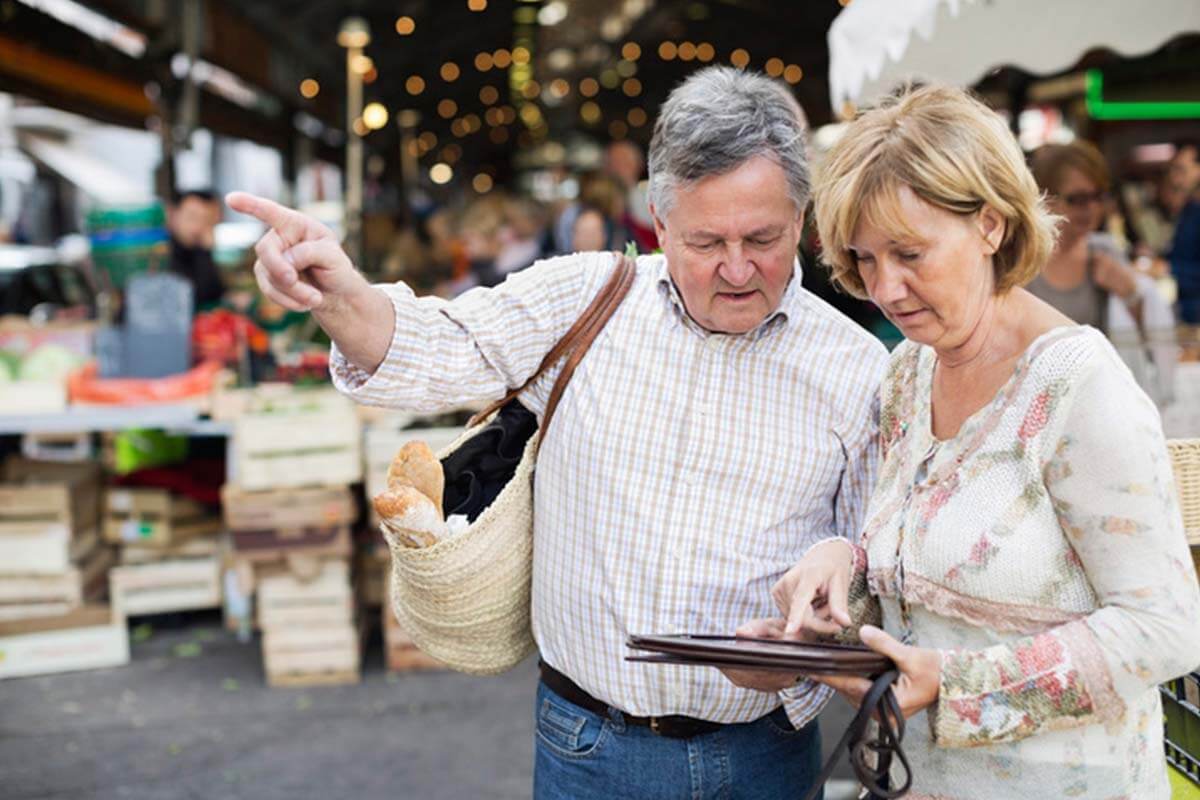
1042 551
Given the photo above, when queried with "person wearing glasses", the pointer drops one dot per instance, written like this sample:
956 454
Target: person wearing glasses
1086 267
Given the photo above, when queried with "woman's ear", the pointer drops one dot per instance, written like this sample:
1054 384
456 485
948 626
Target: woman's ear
991 227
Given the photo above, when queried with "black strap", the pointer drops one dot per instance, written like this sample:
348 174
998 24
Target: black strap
879 701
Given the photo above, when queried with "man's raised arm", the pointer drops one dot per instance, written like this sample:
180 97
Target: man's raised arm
301 266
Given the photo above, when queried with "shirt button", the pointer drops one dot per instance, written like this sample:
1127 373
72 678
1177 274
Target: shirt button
713 342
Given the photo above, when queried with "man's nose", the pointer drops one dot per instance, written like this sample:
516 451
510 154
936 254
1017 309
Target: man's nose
736 269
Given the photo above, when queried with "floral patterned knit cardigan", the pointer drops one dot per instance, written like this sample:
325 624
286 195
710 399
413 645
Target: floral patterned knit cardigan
1041 551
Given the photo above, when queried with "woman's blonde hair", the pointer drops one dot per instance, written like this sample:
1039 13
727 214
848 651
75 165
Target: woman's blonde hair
954 153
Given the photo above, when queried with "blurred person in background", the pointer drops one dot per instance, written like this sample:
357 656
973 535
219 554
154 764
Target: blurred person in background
1182 261
603 194
625 162
1086 267
1152 211
521 236
192 218
592 231
479 227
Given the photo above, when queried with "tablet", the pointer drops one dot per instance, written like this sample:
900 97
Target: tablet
752 653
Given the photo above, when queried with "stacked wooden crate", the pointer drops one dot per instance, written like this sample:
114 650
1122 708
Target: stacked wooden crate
305 438
53 572
170 552
309 632
291 545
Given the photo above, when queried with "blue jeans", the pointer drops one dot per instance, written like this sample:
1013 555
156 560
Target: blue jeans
580 755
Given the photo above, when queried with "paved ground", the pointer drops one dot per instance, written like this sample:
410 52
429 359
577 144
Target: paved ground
190 717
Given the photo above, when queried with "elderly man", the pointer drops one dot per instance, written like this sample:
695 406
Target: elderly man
720 425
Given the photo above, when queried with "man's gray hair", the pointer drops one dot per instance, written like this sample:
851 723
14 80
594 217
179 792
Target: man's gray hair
718 119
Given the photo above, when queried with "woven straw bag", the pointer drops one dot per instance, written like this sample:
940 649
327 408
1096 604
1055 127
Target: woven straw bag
1185 460
465 600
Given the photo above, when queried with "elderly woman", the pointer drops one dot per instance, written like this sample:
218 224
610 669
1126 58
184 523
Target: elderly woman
1023 550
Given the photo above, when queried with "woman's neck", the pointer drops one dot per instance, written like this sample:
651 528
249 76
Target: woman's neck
989 341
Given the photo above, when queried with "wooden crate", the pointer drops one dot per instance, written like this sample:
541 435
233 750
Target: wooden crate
227 402
155 518
283 523
194 548
27 596
48 516
399 652
286 601
57 446
284 509
86 638
308 655
37 536
159 587
318 444
33 397
81 477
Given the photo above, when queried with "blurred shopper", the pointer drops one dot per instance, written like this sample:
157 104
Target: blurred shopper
1183 259
1086 267
720 425
1088 277
592 231
604 195
521 236
192 219
624 161
1023 551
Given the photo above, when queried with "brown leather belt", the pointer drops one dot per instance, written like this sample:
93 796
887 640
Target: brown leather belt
672 727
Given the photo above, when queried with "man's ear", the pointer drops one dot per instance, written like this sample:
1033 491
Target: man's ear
660 230
991 227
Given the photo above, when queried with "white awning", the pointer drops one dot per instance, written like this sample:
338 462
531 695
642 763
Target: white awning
872 45
99 179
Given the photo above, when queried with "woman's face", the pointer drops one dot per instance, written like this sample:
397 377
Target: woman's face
1080 200
936 283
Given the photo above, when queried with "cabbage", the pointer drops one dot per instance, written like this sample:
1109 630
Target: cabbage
50 362
10 364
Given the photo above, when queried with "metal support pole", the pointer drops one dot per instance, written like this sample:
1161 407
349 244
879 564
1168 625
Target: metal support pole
354 158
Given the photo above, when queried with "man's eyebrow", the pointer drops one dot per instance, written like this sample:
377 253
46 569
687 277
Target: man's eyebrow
769 230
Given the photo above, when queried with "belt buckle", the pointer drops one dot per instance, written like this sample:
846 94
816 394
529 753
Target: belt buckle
654 726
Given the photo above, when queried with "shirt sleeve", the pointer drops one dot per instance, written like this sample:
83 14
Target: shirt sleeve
444 354
1109 478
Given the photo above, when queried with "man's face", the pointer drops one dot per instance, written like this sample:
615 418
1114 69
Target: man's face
730 242
192 222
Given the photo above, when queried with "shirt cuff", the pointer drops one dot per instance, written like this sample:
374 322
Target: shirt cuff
355 382
804 701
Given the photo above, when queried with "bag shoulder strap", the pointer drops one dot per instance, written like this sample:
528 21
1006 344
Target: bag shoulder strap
575 342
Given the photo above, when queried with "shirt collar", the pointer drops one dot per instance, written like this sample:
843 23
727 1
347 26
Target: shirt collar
780 316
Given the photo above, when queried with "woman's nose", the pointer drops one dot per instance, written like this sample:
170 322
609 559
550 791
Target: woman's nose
887 286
